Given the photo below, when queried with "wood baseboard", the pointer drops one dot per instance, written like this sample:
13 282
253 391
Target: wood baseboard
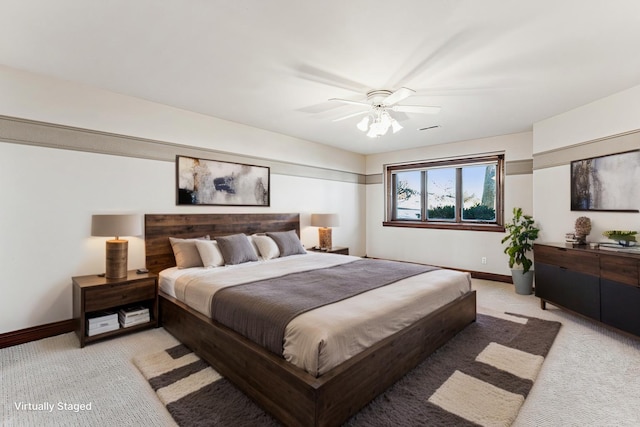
35 333
491 276
485 276
475 274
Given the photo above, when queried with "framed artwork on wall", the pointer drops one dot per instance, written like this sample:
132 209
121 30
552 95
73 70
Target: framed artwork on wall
606 183
213 182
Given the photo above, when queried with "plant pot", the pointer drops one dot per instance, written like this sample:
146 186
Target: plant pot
523 281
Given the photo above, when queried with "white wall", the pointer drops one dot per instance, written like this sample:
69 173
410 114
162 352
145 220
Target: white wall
612 115
28 95
615 114
448 248
48 195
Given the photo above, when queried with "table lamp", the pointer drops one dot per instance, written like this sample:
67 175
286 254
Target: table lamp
117 249
325 222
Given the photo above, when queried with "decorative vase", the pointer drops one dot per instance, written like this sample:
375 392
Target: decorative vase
583 228
523 282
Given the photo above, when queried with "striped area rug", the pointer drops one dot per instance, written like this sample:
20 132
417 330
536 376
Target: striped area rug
481 377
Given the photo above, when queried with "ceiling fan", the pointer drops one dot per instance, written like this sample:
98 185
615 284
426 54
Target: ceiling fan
379 103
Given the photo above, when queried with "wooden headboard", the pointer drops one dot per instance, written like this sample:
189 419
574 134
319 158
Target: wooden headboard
159 227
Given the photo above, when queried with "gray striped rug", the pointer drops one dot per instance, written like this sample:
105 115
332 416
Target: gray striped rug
481 377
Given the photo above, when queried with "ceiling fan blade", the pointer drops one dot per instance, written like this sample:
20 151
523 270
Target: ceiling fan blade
398 96
422 109
348 101
359 113
325 77
430 127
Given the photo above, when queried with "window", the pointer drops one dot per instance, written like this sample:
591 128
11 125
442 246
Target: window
461 193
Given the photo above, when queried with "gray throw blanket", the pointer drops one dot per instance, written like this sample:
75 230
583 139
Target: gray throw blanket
261 310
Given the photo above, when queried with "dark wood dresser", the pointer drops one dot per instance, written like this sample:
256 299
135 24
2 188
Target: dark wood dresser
599 284
93 294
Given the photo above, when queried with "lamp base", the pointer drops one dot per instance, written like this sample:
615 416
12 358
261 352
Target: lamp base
324 235
117 255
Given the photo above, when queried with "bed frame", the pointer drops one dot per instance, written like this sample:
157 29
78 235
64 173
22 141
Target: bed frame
288 393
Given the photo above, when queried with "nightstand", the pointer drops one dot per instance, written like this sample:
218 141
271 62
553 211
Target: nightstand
334 250
94 294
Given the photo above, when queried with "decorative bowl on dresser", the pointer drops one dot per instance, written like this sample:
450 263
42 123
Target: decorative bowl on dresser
598 284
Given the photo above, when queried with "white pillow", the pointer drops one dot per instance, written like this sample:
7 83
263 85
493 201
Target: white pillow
266 246
210 253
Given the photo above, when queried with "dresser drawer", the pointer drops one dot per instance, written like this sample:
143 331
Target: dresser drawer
619 269
567 258
108 296
569 289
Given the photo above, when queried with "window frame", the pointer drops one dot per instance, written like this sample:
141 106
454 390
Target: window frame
457 224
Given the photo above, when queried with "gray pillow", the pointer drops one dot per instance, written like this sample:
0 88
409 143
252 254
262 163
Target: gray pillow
288 242
236 249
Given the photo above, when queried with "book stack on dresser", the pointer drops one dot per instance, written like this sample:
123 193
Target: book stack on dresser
105 321
130 316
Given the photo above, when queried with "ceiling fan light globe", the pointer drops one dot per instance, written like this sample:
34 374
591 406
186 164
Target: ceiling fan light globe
379 128
363 124
385 120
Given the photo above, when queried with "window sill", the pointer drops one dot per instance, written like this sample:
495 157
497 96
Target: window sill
446 226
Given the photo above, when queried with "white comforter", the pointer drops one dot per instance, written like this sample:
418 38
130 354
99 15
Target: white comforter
321 339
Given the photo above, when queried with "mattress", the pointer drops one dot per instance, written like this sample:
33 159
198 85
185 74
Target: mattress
321 339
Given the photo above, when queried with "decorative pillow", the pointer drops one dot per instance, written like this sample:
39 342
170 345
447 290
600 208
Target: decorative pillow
186 252
236 249
254 245
266 246
210 253
288 242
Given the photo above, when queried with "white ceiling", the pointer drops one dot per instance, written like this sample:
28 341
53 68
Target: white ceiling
494 66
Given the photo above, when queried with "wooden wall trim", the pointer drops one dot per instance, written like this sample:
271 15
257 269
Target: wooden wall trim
613 144
35 333
491 276
519 167
474 274
42 134
513 167
485 276
375 178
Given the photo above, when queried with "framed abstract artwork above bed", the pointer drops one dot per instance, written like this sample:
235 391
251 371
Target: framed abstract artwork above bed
214 182
606 183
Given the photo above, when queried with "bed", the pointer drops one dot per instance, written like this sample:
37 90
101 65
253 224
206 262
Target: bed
290 393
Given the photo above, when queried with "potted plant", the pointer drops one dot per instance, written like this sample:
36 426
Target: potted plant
623 237
520 239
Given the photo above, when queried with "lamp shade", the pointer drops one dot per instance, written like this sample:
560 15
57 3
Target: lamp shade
115 225
325 220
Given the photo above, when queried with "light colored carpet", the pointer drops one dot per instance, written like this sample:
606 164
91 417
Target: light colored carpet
589 378
56 370
591 375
